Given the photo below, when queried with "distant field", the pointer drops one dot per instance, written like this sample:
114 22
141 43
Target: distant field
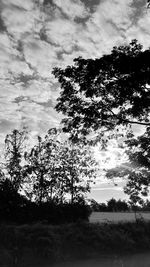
102 217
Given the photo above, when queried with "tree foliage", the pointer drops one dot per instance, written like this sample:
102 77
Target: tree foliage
106 92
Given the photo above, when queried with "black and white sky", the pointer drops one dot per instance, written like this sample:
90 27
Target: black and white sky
37 35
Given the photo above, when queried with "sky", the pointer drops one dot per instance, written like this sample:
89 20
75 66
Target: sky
38 35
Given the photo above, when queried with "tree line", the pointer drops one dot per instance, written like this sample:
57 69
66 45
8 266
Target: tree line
113 205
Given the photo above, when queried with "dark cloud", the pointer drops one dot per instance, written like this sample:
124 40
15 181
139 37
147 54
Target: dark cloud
20 48
81 20
43 35
2 25
20 99
6 125
140 9
48 2
91 4
17 7
46 104
55 86
24 79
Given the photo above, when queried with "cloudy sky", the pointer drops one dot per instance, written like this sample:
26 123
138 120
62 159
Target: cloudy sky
37 35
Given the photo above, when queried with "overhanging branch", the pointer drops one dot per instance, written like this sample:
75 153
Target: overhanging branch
136 122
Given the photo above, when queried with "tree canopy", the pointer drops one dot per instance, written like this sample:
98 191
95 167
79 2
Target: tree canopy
107 92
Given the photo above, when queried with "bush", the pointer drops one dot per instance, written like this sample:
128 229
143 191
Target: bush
74 240
22 211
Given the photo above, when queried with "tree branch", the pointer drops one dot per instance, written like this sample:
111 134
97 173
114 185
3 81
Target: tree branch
128 121
136 122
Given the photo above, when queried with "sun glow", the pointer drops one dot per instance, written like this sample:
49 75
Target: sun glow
111 157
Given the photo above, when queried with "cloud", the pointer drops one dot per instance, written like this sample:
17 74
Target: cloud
72 8
34 38
38 118
65 37
120 13
117 188
107 29
18 20
40 92
40 55
140 30
25 5
105 195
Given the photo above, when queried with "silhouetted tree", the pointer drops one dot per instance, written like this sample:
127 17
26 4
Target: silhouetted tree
95 206
117 205
111 205
14 144
146 205
122 205
106 92
103 207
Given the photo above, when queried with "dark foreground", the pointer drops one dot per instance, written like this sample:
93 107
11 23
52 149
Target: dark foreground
81 243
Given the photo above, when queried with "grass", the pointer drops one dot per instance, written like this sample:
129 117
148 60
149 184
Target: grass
115 217
36 243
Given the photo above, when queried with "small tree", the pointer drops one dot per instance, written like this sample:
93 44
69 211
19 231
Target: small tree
136 188
112 204
42 168
77 169
14 144
122 205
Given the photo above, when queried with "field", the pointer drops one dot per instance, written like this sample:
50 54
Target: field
103 217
